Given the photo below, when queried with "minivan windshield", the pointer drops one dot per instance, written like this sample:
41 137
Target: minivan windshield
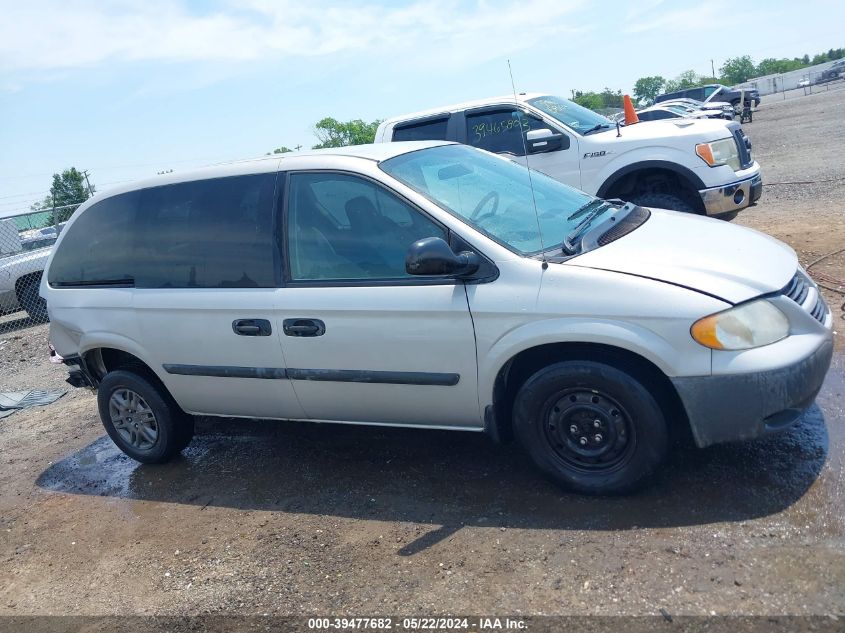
493 194
577 118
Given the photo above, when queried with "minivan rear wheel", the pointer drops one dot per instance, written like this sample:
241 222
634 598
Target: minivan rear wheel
591 427
141 418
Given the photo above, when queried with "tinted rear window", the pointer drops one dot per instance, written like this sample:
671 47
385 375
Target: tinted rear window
428 130
204 234
96 247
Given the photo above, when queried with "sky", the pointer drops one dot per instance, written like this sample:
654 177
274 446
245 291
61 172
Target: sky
127 88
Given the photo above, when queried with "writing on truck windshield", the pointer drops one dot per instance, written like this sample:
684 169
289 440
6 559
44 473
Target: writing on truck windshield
492 194
576 117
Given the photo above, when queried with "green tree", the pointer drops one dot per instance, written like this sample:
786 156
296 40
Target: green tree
736 70
591 100
333 133
280 150
647 88
687 79
69 189
611 99
771 66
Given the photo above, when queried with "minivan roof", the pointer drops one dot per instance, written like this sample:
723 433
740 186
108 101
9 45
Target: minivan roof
289 160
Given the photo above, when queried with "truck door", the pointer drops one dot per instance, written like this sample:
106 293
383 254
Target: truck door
500 129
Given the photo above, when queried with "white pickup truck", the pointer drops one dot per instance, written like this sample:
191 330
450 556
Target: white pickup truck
697 166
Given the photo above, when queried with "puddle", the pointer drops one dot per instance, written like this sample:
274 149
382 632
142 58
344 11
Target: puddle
454 479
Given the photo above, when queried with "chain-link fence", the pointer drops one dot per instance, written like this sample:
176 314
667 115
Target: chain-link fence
26 240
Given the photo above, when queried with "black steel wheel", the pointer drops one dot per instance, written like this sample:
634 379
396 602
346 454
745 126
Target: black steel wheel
589 430
591 427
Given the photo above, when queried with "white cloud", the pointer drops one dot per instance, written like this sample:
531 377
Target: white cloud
39 36
695 18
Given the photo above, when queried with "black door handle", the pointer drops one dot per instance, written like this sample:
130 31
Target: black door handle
303 327
252 327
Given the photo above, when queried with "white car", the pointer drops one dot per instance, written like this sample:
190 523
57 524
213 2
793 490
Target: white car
20 274
431 285
697 166
725 109
663 112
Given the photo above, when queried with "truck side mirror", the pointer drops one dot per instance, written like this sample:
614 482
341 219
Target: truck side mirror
544 140
433 256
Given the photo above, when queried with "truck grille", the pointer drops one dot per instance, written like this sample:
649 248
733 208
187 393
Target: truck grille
799 290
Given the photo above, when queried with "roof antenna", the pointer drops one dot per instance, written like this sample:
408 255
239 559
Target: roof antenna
522 133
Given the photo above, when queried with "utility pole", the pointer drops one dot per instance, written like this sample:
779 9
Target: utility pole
90 189
713 69
297 147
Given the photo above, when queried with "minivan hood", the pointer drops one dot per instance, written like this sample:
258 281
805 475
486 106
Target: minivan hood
730 262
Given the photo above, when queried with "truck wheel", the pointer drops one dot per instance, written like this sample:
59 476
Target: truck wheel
590 427
141 418
32 302
663 201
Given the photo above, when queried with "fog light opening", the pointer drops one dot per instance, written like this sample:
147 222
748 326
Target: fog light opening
739 196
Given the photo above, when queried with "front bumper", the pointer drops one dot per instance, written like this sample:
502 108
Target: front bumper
732 197
744 406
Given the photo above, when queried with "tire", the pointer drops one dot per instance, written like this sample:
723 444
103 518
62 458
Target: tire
591 427
152 429
32 302
663 201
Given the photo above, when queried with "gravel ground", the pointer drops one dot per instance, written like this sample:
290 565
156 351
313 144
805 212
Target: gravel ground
301 519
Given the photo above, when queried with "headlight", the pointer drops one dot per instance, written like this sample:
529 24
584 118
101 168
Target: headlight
752 324
717 153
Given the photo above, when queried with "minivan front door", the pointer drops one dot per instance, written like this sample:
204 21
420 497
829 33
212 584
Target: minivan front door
365 341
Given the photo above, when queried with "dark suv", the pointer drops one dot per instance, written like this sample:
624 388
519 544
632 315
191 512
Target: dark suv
710 93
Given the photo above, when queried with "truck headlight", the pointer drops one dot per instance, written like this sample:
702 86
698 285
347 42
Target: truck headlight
722 152
749 325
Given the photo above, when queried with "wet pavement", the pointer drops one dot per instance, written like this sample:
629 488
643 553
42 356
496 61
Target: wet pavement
299 518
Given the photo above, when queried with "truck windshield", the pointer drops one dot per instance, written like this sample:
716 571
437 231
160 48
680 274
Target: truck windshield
494 195
577 118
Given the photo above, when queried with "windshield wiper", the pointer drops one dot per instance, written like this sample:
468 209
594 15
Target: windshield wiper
595 202
597 127
568 246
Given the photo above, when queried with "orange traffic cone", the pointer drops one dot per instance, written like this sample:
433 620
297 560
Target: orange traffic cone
630 115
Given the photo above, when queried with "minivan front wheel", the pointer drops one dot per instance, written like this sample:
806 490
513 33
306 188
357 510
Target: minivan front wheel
141 418
590 426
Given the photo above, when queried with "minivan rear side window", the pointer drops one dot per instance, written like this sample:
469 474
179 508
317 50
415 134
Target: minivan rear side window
215 233
426 130
97 248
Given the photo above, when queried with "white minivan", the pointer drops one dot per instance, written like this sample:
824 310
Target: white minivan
430 284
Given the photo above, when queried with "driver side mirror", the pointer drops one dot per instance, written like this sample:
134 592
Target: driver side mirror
433 256
544 140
